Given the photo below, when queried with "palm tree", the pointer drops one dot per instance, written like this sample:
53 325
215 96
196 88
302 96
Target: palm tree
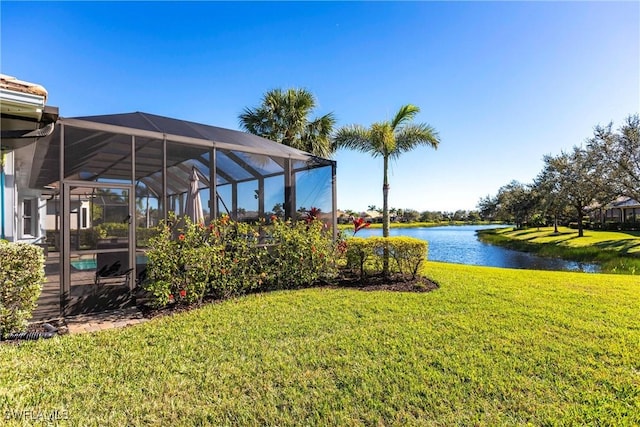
388 139
283 117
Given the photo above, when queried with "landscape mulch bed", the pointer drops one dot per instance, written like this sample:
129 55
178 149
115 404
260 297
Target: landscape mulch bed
377 282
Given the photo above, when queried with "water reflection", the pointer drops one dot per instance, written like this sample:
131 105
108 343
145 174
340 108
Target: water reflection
459 244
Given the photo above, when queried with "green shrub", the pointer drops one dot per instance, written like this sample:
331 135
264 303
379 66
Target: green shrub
303 252
241 263
21 279
366 255
188 261
163 268
115 229
112 229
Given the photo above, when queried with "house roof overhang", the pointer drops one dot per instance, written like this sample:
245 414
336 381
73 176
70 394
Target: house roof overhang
24 116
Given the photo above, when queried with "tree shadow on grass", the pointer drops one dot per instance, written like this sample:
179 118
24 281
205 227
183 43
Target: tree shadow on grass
622 246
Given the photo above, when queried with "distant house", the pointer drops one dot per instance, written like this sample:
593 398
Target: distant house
621 210
371 216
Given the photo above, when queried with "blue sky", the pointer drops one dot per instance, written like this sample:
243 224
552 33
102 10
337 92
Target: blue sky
504 83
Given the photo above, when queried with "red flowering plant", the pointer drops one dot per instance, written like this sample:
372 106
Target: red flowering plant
178 266
164 263
312 215
188 261
303 252
359 224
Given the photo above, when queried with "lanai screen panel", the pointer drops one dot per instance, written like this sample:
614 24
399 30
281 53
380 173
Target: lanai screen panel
149 202
251 173
182 159
97 156
314 190
250 185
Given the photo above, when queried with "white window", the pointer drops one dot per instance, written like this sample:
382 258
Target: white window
29 217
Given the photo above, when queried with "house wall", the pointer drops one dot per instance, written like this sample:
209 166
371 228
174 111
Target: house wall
617 214
13 207
8 194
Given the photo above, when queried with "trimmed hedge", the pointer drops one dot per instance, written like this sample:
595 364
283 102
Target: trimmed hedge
366 255
21 280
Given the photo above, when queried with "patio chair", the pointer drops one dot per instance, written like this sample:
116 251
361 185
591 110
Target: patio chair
112 265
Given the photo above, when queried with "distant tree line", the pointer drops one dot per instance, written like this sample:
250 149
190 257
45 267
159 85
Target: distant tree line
573 183
412 215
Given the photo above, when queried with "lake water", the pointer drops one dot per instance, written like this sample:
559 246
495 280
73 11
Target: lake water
459 244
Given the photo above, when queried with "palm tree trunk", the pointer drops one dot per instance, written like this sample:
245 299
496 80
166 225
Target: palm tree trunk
385 200
385 215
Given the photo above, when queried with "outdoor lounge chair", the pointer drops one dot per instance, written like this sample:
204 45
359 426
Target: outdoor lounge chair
112 265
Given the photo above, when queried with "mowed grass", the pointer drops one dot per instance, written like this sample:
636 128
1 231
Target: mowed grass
627 242
490 347
614 251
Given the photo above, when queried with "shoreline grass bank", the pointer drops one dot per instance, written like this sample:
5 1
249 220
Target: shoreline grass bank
491 347
615 251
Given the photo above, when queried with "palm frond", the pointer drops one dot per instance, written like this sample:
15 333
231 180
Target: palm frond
283 116
405 114
382 138
413 135
355 137
317 136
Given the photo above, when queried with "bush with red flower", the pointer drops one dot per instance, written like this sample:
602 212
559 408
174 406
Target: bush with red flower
302 253
188 261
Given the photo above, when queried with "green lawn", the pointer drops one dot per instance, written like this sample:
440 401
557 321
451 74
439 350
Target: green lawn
490 347
627 242
615 251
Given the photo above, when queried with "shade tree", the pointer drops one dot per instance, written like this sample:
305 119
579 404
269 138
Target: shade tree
619 155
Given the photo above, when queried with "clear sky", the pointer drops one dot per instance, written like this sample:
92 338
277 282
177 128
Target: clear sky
504 83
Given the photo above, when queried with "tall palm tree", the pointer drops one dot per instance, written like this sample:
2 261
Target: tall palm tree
283 117
388 139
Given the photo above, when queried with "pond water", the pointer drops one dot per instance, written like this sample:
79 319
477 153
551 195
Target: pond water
460 244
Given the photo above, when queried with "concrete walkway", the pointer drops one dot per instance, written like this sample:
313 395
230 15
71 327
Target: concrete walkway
105 320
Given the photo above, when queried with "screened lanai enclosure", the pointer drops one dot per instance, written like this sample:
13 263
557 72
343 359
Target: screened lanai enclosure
104 182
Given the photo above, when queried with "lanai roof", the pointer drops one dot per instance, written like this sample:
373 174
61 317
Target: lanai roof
97 144
184 128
